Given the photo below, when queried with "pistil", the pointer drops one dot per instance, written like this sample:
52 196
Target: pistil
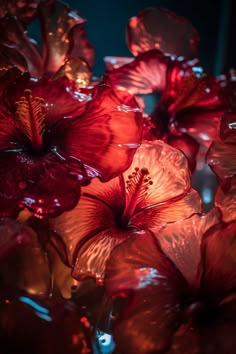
30 115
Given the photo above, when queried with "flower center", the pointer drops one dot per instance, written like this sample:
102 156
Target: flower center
137 186
30 115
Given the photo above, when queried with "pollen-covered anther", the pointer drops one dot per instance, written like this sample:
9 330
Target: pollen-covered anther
30 115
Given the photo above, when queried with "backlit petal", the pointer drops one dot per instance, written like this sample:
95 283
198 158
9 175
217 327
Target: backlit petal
225 199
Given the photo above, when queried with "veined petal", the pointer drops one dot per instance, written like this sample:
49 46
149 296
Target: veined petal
101 129
155 216
225 199
57 23
181 242
139 265
168 170
116 62
157 28
219 262
145 74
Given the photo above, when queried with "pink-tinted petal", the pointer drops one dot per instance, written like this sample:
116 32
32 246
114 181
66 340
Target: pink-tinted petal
225 199
92 256
16 38
101 130
219 262
77 71
154 217
57 23
181 242
79 45
147 73
162 161
221 158
187 145
116 62
148 322
156 28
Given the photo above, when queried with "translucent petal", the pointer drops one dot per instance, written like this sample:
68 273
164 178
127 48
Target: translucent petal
156 28
225 199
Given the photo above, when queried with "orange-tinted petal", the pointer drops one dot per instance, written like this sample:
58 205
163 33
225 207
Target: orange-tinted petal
168 169
147 73
222 158
181 242
219 262
148 322
155 216
225 199
156 28
101 130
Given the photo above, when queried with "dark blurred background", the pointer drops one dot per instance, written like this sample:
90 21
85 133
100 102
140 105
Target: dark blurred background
214 19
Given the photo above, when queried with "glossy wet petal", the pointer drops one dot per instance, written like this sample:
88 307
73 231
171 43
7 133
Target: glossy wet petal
219 262
181 242
101 129
162 161
157 28
57 24
225 199
147 73
139 265
222 159
228 127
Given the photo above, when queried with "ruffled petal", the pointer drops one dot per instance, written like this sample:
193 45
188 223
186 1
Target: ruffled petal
116 62
221 158
225 199
57 23
148 322
101 130
16 38
147 73
154 217
92 256
156 28
181 242
219 262
162 161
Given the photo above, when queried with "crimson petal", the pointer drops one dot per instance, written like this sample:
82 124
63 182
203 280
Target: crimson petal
225 199
151 317
157 28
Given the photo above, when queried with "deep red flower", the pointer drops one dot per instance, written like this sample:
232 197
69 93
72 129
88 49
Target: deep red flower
225 199
51 139
155 190
65 49
181 286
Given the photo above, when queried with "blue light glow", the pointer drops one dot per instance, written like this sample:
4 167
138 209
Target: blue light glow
33 304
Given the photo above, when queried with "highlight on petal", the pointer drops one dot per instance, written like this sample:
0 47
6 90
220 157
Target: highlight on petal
145 74
168 170
228 127
57 22
181 243
221 159
219 262
157 28
225 199
139 265
101 129
116 62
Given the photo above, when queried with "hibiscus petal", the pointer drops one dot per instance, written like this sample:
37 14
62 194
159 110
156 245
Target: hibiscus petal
228 126
162 161
116 62
219 262
16 38
139 265
79 45
225 199
57 23
92 256
222 159
156 216
181 242
145 74
156 28
101 130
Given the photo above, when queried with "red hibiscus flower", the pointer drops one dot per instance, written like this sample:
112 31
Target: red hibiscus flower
155 190
181 286
51 140
65 49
